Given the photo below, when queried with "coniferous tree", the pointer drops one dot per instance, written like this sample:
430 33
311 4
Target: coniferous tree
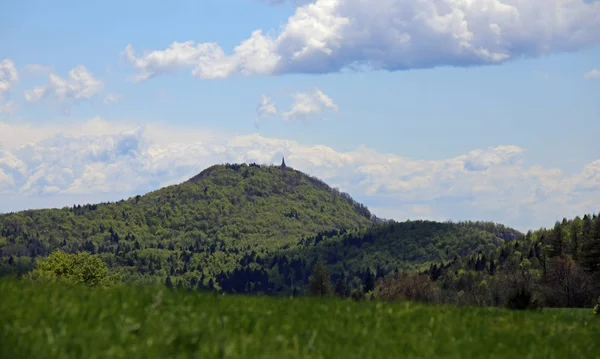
369 282
320 282
492 267
557 241
591 248
341 288
575 245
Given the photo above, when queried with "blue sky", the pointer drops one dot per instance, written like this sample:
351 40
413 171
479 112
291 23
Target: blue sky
432 109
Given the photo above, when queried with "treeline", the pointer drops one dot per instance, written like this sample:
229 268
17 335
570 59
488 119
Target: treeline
464 264
357 258
558 267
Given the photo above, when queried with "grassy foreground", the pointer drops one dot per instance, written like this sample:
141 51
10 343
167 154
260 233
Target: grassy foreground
57 321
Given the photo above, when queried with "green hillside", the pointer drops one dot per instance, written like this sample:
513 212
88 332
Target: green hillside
210 221
353 256
56 321
241 228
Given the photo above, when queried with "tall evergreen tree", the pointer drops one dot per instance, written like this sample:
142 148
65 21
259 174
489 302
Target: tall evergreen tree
591 249
369 282
575 245
320 282
341 288
557 241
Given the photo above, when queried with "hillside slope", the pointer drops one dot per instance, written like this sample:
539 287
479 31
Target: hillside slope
355 255
240 228
211 220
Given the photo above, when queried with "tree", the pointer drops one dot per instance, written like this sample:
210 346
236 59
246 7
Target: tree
566 284
169 282
369 282
320 282
77 268
517 285
341 288
406 286
557 241
591 247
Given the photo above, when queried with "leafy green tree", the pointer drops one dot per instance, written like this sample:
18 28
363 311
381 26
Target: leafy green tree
320 282
79 268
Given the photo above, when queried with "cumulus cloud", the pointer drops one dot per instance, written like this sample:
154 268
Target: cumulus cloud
266 107
333 35
79 85
306 104
8 76
112 98
592 74
479 160
96 159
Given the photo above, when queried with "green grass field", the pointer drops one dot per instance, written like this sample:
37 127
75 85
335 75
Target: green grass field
54 321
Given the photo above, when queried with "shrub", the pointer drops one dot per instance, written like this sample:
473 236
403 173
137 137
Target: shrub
406 286
77 268
597 307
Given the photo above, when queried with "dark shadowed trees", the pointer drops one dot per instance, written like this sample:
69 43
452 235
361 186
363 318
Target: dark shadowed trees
320 281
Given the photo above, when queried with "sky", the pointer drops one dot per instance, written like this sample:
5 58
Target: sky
431 109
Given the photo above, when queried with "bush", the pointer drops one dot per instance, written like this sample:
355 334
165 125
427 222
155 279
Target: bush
597 307
77 268
406 286
522 298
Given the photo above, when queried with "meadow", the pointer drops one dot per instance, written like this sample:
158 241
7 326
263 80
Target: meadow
43 320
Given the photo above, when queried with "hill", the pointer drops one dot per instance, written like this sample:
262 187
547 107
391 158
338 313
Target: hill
241 228
210 221
41 320
364 254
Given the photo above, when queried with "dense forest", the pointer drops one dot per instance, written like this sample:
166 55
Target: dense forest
275 230
557 267
204 226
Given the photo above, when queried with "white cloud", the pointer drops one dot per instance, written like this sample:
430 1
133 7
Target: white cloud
592 74
79 85
38 69
332 35
92 160
266 107
8 78
306 104
112 98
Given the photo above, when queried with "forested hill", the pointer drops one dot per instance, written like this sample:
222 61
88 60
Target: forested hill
224 212
241 228
359 257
